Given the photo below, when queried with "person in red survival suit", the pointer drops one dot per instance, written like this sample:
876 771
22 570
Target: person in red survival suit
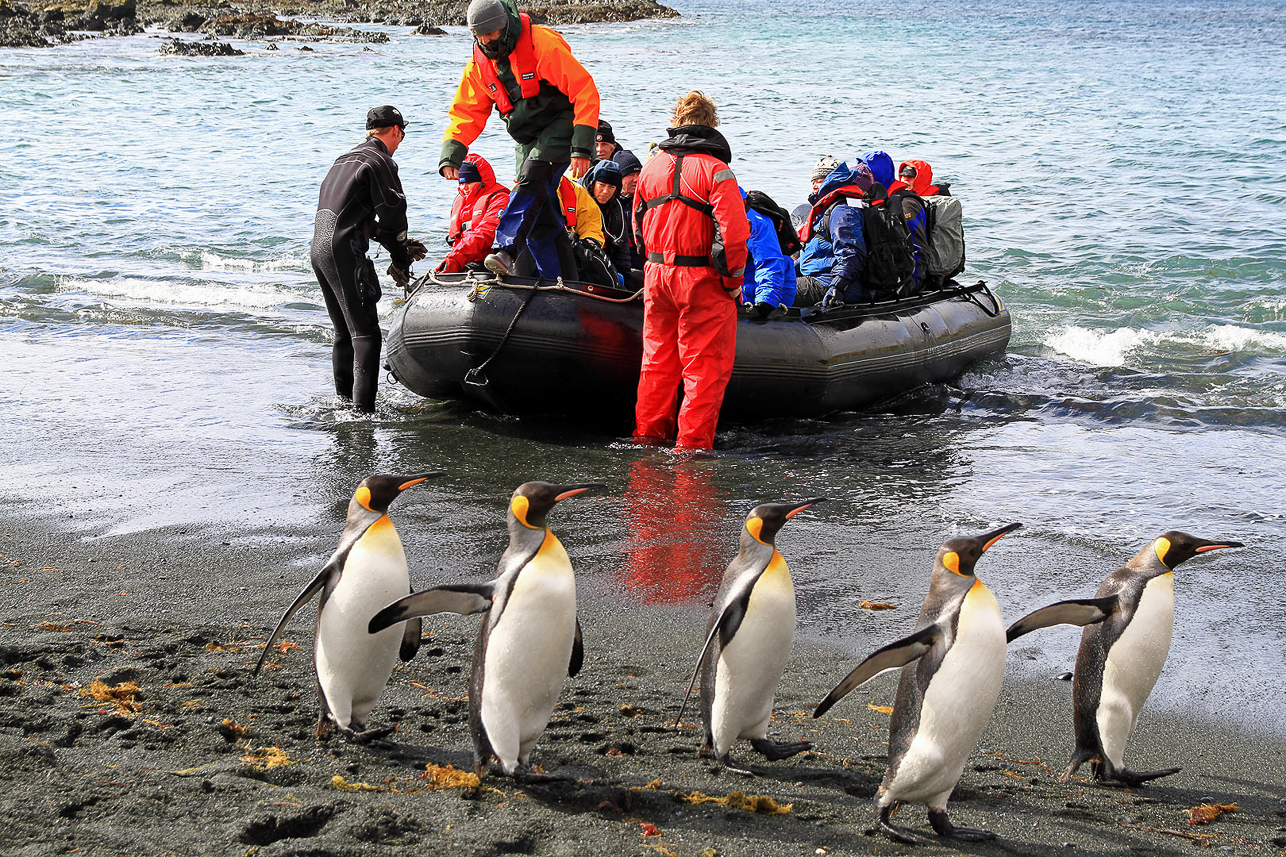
474 216
691 228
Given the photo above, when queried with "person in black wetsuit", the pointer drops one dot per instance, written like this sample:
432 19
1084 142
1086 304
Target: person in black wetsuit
361 197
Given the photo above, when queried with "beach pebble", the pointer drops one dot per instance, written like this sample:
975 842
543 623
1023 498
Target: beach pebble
1065 677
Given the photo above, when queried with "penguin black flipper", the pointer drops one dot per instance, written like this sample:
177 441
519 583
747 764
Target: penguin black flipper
462 598
331 568
891 657
578 653
725 627
1078 611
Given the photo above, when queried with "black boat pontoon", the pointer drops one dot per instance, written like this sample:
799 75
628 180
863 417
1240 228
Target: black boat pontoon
520 346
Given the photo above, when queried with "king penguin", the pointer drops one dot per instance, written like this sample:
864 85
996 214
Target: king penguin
1128 626
748 638
952 667
366 570
529 639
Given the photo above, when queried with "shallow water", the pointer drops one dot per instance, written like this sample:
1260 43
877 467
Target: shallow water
165 347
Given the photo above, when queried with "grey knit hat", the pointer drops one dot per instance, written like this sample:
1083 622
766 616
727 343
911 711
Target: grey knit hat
825 166
486 16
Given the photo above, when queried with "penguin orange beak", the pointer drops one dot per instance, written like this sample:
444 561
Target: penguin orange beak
1214 546
989 539
416 480
565 491
795 510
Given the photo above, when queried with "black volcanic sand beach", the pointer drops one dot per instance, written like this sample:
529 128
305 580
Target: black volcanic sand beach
126 730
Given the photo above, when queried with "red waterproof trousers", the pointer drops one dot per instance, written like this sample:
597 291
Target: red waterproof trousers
689 336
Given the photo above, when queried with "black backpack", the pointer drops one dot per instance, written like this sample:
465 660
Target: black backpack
787 237
890 257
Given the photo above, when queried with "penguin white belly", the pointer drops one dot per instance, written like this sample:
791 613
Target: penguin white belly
528 651
1133 665
750 666
957 705
352 665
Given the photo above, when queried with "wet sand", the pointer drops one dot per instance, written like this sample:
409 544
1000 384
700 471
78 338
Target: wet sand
201 758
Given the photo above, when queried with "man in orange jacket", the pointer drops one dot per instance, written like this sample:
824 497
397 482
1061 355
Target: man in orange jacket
550 106
691 228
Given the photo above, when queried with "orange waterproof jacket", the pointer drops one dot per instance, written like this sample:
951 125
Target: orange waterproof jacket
550 122
681 231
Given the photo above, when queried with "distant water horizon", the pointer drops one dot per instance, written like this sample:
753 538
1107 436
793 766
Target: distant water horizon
1119 169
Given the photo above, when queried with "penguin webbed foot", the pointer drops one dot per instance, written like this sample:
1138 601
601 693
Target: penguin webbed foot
1123 778
944 828
732 767
775 752
891 830
367 736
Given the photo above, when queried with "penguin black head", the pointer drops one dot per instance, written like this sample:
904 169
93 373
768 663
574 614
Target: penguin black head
532 501
378 491
960 555
766 520
1175 547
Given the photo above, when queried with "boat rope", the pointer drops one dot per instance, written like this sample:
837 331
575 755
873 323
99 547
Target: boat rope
475 377
479 285
970 293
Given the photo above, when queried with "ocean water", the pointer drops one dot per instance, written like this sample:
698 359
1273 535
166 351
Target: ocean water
165 349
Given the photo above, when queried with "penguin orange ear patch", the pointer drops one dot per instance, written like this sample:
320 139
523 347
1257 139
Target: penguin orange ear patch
755 526
363 498
951 560
519 506
1162 547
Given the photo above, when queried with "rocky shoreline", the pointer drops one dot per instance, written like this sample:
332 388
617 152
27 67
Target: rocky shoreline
43 23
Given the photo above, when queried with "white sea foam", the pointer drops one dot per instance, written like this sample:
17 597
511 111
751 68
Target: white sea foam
1230 337
214 262
1099 347
139 290
1113 347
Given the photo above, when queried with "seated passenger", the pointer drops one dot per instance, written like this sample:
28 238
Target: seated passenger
881 167
630 169
914 177
770 274
474 215
826 164
605 146
919 176
834 254
603 182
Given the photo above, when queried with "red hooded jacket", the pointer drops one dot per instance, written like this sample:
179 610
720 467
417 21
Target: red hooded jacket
474 217
922 185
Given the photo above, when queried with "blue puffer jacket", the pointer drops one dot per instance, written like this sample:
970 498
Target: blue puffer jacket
770 274
836 259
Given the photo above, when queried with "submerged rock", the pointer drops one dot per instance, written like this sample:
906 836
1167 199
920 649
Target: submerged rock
179 47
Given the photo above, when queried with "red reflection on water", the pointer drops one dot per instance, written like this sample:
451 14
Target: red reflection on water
678 543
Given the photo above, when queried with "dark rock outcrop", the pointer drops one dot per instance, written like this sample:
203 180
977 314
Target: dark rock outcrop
48 22
179 47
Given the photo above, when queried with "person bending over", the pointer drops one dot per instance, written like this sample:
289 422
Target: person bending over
549 104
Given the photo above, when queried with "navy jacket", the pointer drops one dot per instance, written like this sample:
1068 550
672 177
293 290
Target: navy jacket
836 259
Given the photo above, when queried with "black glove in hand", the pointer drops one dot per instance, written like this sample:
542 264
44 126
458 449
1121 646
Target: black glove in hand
400 276
416 250
764 310
832 298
